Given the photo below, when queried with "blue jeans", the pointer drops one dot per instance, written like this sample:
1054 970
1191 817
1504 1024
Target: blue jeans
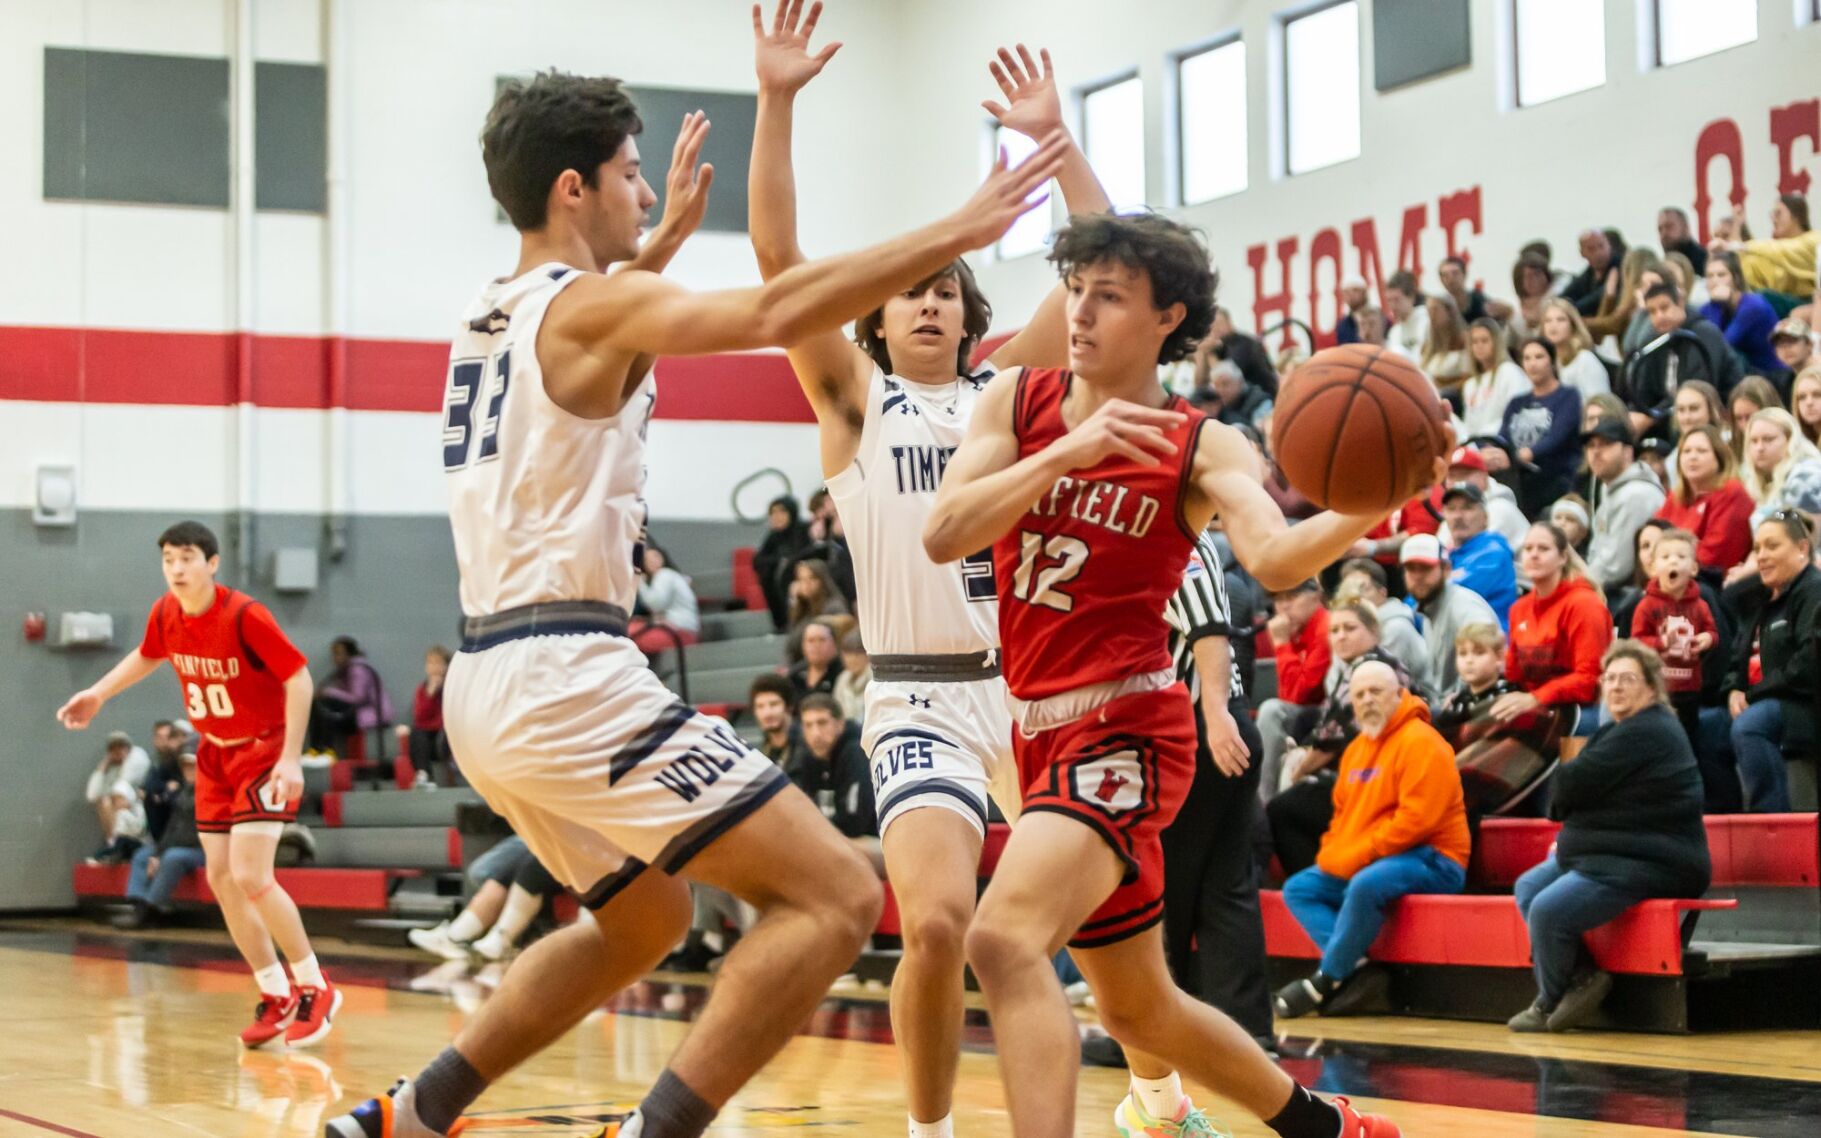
1560 905
1757 744
156 889
1343 917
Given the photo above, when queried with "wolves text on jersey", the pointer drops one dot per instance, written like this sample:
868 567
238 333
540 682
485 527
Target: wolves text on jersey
1103 504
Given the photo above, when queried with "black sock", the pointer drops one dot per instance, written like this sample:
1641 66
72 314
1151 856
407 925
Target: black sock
1306 1116
672 1110
448 1086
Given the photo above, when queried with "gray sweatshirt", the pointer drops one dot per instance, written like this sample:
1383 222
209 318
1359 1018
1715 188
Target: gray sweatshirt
1626 503
1451 609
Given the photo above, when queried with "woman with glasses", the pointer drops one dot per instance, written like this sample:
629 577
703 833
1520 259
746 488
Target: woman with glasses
1775 676
1630 808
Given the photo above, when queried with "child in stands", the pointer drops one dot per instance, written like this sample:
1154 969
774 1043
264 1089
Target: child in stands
1674 621
1479 658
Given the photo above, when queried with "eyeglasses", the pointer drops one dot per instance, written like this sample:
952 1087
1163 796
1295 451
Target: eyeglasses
1622 680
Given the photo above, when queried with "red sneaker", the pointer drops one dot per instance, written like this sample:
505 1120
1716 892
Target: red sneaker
316 1008
271 1016
1353 1124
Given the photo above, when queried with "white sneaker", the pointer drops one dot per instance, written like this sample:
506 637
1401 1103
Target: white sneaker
438 942
1079 994
493 947
422 781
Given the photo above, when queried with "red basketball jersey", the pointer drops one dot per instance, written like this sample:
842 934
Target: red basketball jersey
1085 574
231 660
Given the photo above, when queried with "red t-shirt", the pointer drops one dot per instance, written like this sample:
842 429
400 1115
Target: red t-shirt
231 660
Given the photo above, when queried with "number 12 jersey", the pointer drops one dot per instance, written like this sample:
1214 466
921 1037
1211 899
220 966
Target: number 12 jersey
1086 572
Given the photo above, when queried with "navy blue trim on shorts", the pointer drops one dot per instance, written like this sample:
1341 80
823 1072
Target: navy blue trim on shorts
914 733
546 618
934 786
611 886
700 836
645 744
1095 824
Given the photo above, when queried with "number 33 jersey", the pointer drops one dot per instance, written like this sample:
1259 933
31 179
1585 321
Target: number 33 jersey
545 506
1084 575
231 659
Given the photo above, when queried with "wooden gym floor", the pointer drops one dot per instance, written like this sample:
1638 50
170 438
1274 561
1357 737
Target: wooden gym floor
108 1035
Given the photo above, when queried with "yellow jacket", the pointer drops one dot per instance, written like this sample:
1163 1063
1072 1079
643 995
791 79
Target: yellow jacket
1781 264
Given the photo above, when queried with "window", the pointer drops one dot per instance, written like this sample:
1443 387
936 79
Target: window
1321 87
1211 122
1560 47
1112 137
1027 234
1690 29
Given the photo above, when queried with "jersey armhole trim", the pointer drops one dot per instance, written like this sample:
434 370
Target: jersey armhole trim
1182 480
242 604
1024 375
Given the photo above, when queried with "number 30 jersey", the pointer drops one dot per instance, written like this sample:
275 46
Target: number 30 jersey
1084 575
231 659
545 506
909 605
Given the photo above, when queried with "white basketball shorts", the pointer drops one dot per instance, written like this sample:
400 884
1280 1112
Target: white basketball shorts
598 766
947 745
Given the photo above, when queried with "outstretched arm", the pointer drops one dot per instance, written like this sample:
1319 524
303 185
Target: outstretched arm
987 487
643 312
1035 110
832 371
1278 554
82 707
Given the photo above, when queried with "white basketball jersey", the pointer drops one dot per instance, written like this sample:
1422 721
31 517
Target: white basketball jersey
909 605
545 505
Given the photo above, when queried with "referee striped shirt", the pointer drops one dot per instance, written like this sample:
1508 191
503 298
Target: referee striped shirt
1200 608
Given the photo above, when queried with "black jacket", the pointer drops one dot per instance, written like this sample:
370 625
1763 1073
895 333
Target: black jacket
1785 632
1648 380
1630 806
842 787
180 825
1459 707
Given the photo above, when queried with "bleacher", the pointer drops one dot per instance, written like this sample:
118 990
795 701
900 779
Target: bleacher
1746 954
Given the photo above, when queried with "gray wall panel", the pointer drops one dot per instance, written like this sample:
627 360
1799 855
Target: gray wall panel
291 136
127 127
1415 39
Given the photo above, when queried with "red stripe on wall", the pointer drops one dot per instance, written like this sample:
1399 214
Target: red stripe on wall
202 369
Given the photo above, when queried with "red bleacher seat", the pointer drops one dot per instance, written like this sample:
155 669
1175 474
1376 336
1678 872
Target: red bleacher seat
1487 932
1747 850
888 917
746 580
997 834
361 889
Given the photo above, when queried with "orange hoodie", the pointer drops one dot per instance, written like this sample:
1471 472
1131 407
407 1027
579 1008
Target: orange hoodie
1395 793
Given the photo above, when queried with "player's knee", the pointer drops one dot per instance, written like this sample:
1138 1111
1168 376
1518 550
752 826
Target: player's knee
1135 1013
855 903
937 931
996 948
255 881
221 879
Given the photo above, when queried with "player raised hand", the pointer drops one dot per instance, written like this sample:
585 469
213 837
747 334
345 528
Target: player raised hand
1118 427
1034 108
781 55
1005 196
686 186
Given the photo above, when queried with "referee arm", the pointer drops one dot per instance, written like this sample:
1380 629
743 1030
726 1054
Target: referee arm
1202 618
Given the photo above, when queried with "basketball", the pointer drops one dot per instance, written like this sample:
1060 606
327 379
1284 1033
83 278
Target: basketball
1358 428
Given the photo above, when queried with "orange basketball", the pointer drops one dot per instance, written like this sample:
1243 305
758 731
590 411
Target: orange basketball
1358 428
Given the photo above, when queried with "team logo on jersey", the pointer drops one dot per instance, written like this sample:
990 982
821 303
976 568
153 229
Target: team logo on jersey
918 701
1114 783
491 324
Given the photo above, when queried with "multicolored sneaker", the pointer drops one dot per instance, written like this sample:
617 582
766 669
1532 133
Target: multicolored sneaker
271 1017
394 1116
316 1008
1353 1124
1131 1120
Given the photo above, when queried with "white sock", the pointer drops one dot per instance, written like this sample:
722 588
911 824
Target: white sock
521 908
307 972
465 927
943 1127
1160 1098
272 981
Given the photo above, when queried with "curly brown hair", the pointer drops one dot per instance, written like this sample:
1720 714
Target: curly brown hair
1172 255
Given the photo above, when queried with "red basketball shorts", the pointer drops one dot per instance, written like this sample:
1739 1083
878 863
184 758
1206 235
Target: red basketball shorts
228 782
1123 769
